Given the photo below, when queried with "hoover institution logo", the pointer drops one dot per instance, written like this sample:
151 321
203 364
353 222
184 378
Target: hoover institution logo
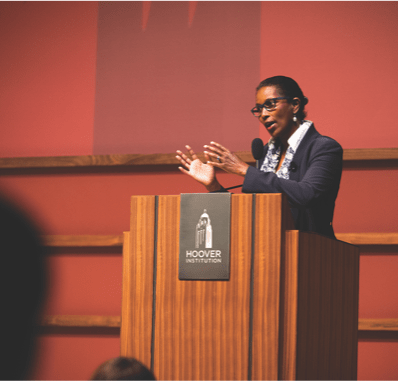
204 240
203 243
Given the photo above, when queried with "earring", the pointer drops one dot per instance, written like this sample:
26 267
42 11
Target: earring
294 118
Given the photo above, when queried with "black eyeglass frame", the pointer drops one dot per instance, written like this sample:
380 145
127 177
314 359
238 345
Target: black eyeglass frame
259 109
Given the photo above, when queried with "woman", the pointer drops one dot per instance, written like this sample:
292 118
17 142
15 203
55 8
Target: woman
297 160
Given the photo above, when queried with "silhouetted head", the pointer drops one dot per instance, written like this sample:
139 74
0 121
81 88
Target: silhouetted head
22 283
122 368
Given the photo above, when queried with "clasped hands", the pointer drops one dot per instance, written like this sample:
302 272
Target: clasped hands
216 156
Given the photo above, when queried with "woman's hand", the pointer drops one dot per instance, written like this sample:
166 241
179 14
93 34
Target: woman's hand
222 158
201 172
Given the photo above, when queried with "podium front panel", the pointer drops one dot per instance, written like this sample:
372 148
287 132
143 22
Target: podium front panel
288 310
200 329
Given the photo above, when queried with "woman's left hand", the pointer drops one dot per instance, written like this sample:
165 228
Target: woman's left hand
224 159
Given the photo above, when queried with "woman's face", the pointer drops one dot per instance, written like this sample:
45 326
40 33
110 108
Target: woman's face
278 122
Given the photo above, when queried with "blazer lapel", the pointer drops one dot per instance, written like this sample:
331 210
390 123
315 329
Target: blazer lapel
298 163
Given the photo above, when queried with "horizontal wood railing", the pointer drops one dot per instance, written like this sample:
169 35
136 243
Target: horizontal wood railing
83 240
362 239
350 155
117 240
89 321
378 325
79 321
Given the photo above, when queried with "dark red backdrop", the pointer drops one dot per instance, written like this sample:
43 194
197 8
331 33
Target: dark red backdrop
73 83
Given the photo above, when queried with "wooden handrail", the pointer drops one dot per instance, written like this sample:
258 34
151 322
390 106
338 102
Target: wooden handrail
87 161
369 238
117 240
378 324
353 154
76 321
360 154
83 240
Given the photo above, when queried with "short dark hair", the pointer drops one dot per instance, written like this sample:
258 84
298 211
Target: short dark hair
122 368
288 87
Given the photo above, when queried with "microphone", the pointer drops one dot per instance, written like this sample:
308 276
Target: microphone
257 150
293 166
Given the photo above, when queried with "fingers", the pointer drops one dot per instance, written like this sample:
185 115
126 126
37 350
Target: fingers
191 152
209 159
218 152
184 159
183 170
215 155
219 147
212 158
182 156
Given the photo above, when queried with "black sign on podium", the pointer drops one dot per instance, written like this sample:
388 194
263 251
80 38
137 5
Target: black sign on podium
205 236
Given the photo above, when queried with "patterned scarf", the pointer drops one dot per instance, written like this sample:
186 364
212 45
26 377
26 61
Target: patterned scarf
274 152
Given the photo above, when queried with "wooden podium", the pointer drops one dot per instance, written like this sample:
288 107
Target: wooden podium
289 310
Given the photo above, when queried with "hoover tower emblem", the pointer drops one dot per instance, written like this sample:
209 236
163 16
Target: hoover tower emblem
204 232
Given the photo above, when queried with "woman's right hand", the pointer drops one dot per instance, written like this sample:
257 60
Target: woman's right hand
201 172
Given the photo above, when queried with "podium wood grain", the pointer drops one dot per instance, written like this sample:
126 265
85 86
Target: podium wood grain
137 293
288 311
320 322
201 329
272 219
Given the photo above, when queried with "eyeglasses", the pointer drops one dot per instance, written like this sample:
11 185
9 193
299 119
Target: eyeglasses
269 105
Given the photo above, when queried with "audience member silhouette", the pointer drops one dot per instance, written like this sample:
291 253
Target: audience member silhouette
122 368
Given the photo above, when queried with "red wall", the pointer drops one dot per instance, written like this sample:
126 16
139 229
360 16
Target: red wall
48 78
341 54
193 80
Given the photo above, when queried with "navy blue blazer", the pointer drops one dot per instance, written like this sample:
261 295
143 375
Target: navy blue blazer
313 184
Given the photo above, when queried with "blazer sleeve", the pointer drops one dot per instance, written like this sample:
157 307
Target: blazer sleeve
320 173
